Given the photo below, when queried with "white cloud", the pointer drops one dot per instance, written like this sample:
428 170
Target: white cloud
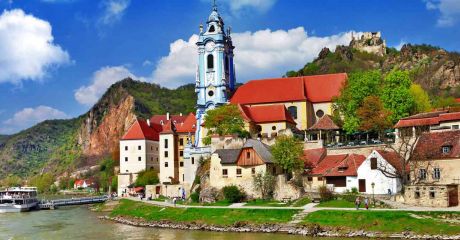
147 63
101 80
260 5
28 117
449 10
260 54
400 45
27 51
113 11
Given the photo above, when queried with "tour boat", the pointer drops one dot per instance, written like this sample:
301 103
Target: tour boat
18 199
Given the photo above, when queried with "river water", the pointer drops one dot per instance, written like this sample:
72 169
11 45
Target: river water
81 223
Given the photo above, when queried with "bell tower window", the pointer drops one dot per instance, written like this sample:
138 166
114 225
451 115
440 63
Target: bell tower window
210 59
212 29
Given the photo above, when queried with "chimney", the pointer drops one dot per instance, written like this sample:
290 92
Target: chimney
167 116
148 122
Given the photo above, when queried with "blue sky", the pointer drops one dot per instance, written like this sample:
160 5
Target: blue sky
58 56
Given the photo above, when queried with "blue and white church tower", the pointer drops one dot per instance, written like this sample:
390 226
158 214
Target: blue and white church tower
215 78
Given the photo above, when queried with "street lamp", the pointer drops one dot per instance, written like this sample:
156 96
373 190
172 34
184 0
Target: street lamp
373 195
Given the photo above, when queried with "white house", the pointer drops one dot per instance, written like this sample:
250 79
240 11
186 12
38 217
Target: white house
138 152
377 169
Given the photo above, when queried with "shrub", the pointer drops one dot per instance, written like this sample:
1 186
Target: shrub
349 197
325 194
233 194
354 190
195 196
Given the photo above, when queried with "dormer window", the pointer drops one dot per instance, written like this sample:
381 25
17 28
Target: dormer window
212 29
446 149
342 168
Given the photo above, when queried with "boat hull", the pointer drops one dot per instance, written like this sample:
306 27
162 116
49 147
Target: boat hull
12 208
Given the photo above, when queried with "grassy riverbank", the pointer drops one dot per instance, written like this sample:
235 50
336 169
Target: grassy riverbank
215 216
432 223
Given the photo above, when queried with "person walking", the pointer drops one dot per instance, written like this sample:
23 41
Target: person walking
357 202
366 203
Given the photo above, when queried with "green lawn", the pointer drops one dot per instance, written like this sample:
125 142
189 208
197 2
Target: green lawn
301 202
222 217
382 221
267 203
338 203
223 203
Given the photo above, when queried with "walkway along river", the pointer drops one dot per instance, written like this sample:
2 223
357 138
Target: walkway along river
80 223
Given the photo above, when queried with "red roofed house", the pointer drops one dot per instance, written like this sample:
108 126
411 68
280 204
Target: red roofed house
140 147
175 135
307 98
138 152
83 184
266 120
427 122
378 169
435 171
339 172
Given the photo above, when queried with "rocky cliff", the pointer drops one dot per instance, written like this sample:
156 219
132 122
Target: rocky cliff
435 69
66 145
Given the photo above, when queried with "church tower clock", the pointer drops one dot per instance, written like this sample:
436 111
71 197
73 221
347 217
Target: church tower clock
215 78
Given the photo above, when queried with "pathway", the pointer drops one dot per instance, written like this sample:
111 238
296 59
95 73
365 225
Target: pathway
311 207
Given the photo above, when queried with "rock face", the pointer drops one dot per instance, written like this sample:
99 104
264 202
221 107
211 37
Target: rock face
66 145
98 139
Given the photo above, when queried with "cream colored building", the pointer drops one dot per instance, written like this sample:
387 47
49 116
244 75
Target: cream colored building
138 152
238 166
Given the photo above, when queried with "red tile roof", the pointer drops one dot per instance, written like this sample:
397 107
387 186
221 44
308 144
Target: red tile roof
316 89
324 123
429 145
312 157
427 119
188 126
339 165
393 158
266 113
141 130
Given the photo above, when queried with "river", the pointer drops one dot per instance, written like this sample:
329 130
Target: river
81 223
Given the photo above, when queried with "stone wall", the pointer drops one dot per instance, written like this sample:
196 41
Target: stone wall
286 189
428 195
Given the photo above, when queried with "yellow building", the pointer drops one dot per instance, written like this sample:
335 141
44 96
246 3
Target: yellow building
307 98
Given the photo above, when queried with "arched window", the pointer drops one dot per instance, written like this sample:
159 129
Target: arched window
212 29
226 64
210 61
293 111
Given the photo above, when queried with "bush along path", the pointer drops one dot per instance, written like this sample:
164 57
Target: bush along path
308 221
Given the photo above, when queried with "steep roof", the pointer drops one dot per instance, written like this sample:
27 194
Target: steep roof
339 165
316 89
141 130
188 126
427 119
230 156
261 148
393 158
266 113
324 123
312 157
429 145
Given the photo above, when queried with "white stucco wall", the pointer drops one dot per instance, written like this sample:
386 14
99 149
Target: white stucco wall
382 182
130 154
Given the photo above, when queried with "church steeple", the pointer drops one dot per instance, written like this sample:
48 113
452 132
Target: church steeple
215 78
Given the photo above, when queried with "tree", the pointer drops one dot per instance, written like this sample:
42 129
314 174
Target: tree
287 153
265 183
373 116
421 99
224 120
147 177
11 181
358 87
106 173
396 96
43 182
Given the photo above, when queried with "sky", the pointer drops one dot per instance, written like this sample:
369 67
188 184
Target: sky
57 57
